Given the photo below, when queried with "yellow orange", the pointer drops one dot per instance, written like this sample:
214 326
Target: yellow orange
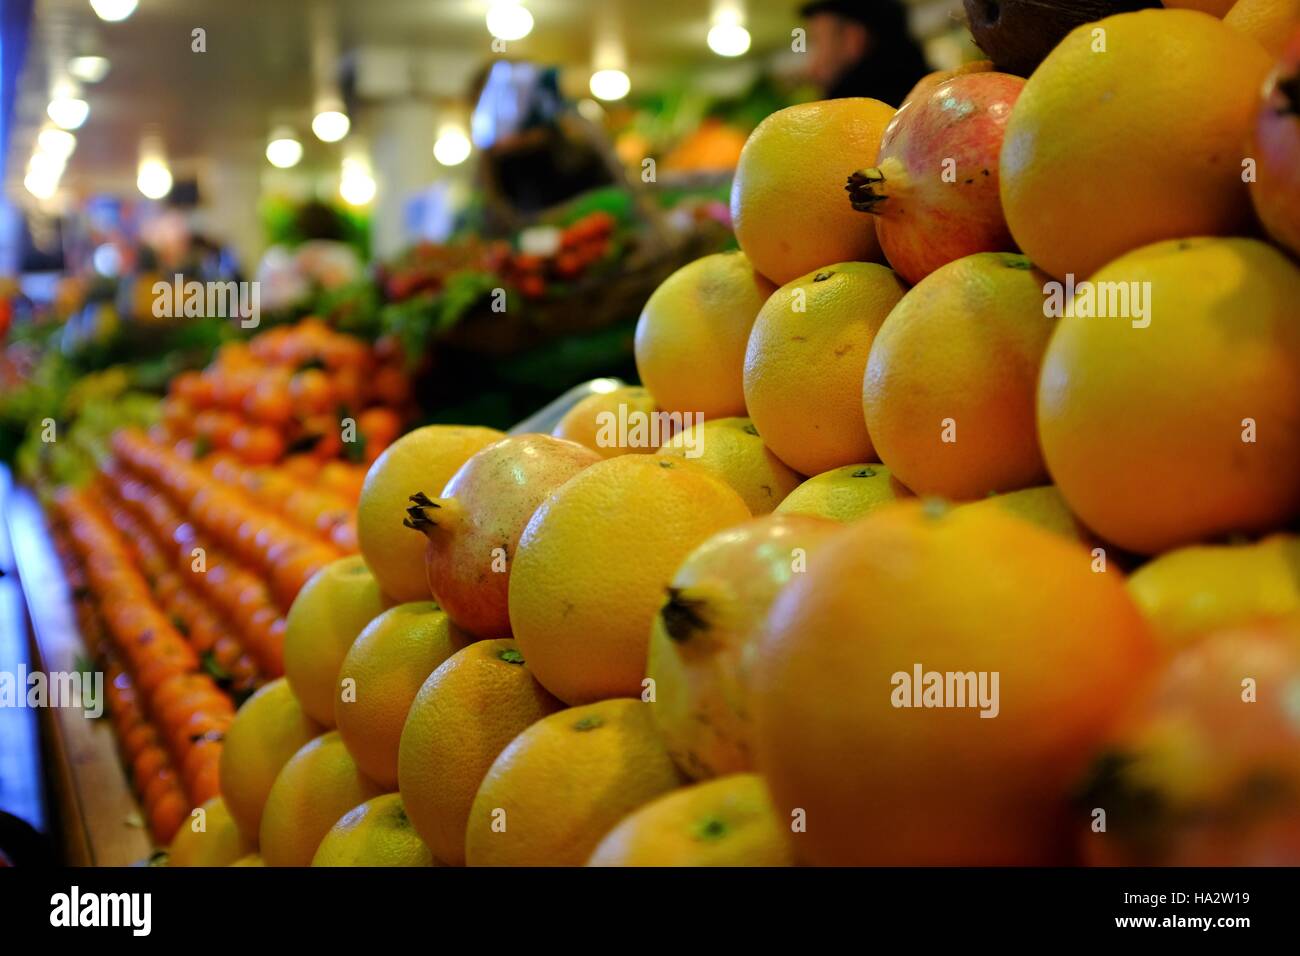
564 782
1042 506
375 833
723 822
210 839
787 197
418 461
466 713
588 422
1269 22
805 361
381 675
593 562
844 494
732 449
691 336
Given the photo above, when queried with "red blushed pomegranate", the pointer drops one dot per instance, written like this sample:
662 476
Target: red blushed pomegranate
1205 769
934 188
1276 149
474 526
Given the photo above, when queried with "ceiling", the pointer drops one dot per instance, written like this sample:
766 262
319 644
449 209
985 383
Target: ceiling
257 70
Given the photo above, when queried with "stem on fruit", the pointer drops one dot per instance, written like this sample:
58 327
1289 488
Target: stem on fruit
426 514
1289 87
682 614
864 189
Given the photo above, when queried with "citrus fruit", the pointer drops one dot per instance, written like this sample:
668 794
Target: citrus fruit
425 458
593 562
1102 151
844 494
593 422
877 667
1183 424
466 713
381 675
1215 8
732 449
376 833
1269 22
949 388
253 859
723 822
215 841
474 523
691 336
1276 149
318 785
701 644
1191 591
268 729
1205 768
326 617
787 197
1042 506
805 359
564 782
933 189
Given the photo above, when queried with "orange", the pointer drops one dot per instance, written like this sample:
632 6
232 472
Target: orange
1041 506
844 494
701 646
724 822
318 785
691 336
253 859
1103 148
805 360
949 389
586 422
1269 22
1188 592
787 197
212 839
1184 427
466 713
422 460
564 782
593 562
326 617
1215 8
844 735
269 728
381 675
376 833
732 449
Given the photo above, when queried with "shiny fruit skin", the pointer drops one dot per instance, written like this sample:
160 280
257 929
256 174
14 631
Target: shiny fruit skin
805 359
732 449
1101 152
701 648
474 523
592 565
845 494
691 335
934 189
585 422
949 389
799 152
1146 429
950 591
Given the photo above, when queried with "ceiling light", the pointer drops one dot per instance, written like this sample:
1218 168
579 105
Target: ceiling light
42 182
283 151
113 11
453 146
56 142
88 69
356 186
728 39
68 111
330 126
509 20
610 84
154 179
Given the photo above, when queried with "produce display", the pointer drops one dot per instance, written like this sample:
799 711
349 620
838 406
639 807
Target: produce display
955 519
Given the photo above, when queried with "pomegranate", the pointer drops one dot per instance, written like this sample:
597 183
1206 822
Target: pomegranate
1276 149
699 645
474 527
1205 770
928 82
934 188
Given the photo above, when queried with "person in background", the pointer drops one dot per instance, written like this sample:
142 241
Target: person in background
862 48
